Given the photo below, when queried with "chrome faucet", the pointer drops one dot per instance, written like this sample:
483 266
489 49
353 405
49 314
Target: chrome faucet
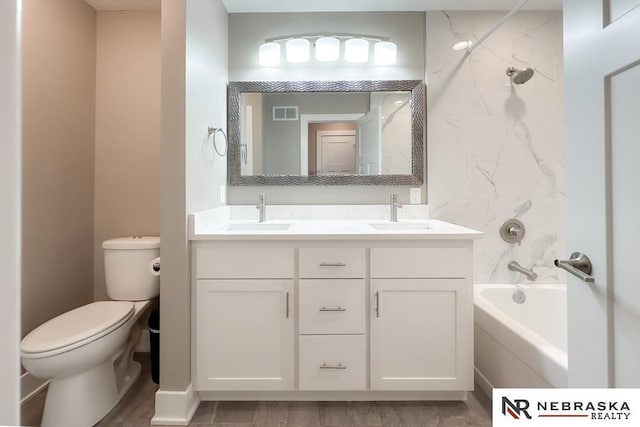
514 266
262 208
393 207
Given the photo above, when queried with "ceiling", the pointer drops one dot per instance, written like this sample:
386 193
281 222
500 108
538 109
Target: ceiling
244 6
239 6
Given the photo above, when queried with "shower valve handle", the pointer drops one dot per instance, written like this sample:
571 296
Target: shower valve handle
579 265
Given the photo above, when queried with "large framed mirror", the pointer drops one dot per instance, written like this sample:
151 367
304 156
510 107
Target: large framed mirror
326 132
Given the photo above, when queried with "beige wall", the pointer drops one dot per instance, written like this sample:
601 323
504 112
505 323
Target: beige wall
194 76
174 341
58 49
127 135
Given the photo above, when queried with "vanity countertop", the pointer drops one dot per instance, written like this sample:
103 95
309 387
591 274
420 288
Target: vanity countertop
331 230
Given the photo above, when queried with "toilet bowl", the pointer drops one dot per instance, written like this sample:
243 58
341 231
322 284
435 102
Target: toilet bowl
87 352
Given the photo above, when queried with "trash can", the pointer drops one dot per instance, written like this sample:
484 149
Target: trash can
154 343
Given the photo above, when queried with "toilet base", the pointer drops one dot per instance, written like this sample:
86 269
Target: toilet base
84 399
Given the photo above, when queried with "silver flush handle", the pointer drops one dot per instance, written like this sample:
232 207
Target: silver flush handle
579 265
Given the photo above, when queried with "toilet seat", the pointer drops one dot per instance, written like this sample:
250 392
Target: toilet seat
76 328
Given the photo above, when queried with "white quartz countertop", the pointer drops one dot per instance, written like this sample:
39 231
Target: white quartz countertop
330 230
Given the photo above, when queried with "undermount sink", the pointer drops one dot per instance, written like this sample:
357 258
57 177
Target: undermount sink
257 226
407 226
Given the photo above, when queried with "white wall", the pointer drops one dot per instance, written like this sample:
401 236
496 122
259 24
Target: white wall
248 31
206 101
10 173
496 151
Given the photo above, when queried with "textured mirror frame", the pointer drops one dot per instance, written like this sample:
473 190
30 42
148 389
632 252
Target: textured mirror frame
416 87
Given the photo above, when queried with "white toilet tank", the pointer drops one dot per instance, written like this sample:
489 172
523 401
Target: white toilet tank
126 267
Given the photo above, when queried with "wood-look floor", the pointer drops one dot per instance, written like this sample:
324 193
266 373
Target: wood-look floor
136 409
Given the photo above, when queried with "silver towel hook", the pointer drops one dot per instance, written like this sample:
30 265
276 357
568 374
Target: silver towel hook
213 131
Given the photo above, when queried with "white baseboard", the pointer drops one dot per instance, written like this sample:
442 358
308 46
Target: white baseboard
484 383
30 386
175 408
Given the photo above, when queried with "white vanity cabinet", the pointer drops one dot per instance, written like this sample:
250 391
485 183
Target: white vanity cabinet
344 319
244 319
421 319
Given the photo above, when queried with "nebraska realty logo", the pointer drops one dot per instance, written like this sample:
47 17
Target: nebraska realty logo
566 407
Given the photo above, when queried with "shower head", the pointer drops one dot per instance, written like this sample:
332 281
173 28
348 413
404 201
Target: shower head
519 76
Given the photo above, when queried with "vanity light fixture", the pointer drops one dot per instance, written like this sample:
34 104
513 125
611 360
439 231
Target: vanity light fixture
384 53
356 51
297 50
269 54
326 48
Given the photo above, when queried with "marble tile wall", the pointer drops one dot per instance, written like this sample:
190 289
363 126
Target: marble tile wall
496 150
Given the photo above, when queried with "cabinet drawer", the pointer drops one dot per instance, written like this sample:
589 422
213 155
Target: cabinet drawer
447 262
333 362
332 263
244 263
332 306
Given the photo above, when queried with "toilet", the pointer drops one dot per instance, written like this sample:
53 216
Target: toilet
87 352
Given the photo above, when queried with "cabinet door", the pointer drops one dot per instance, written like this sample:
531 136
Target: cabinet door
421 334
244 335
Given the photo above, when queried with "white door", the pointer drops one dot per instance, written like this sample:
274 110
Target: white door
336 152
420 335
369 143
245 337
602 84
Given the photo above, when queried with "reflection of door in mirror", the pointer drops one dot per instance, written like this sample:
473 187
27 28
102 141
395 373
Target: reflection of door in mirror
251 135
335 152
316 125
283 145
369 144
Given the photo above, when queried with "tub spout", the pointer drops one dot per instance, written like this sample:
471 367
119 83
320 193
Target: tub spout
514 266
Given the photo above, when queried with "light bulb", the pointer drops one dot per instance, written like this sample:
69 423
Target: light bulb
384 53
462 45
269 54
356 50
327 49
297 50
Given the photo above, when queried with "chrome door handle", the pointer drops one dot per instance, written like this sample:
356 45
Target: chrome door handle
579 265
338 308
333 264
287 305
338 366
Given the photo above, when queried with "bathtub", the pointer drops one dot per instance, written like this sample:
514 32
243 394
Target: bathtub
520 345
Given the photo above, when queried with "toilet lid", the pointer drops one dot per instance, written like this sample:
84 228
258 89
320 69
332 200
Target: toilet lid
83 323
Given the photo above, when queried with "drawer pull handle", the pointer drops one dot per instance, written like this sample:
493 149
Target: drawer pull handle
338 366
338 308
377 304
333 264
